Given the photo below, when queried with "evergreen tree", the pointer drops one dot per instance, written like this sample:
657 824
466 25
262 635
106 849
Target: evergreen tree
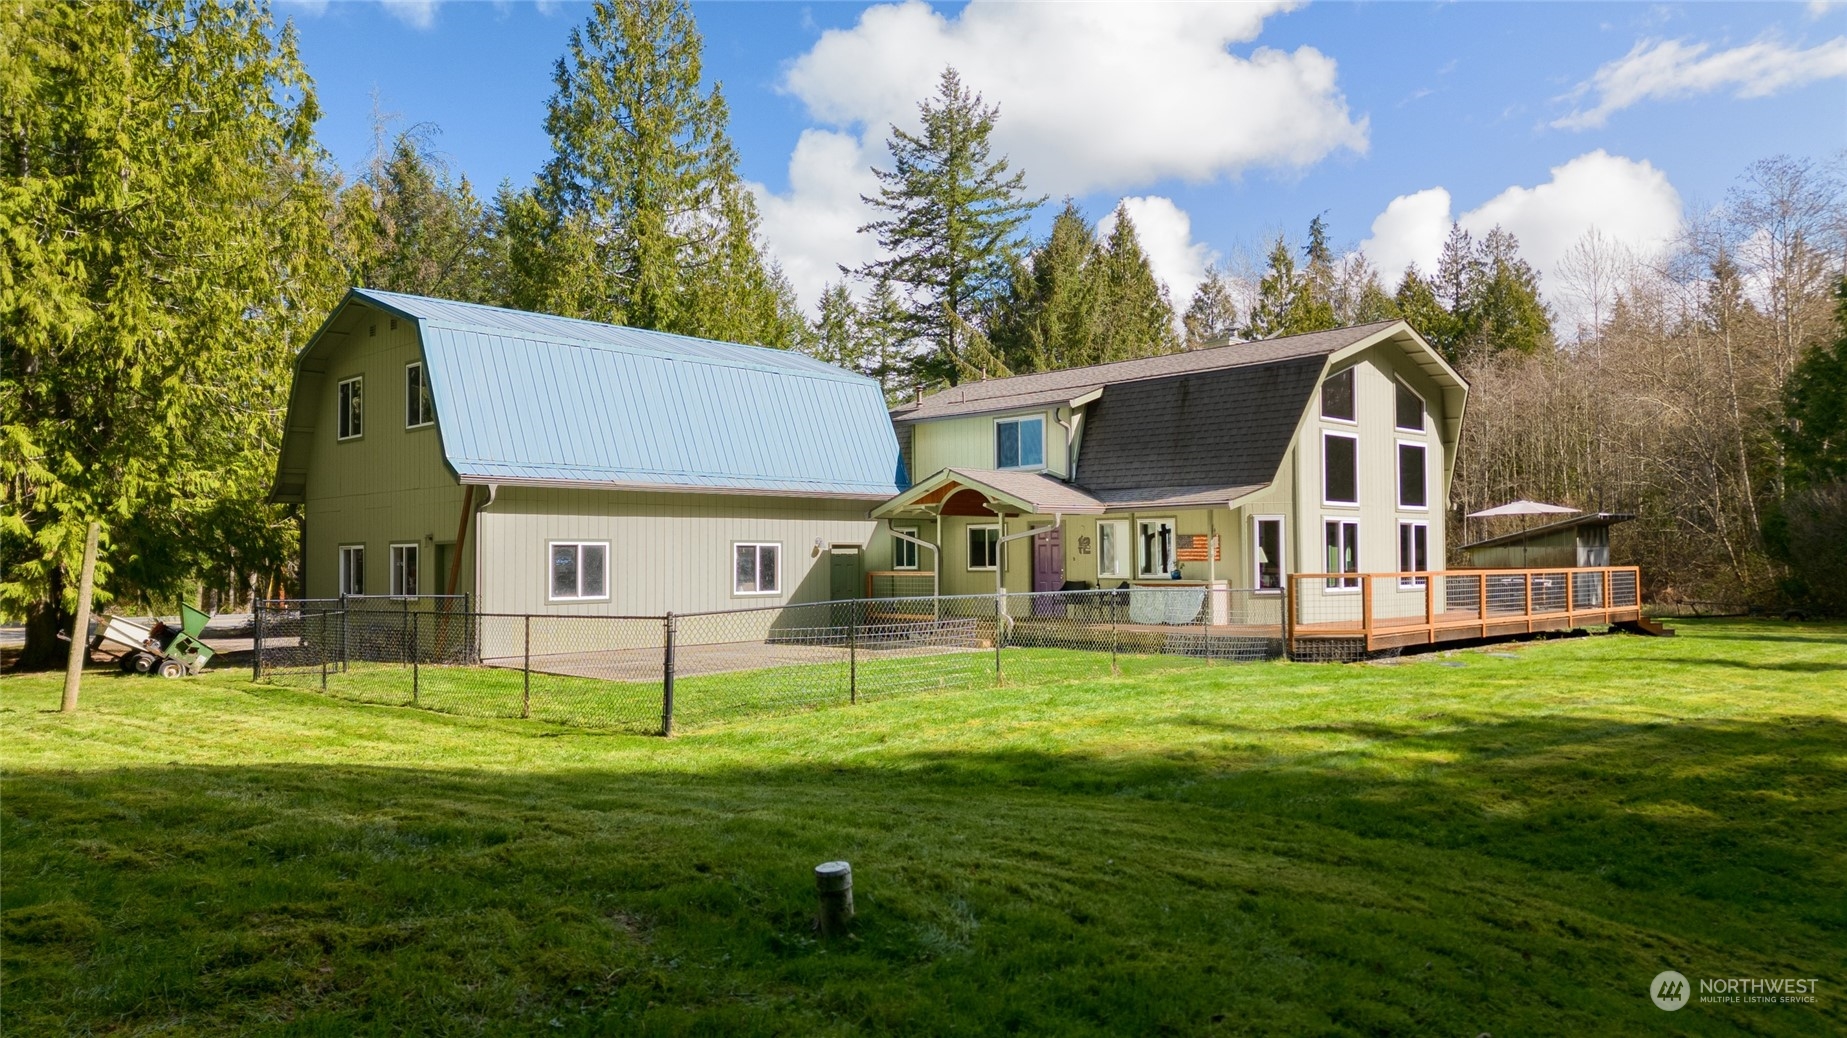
1135 315
1359 297
1504 311
1813 433
647 222
1212 317
1417 304
951 232
1049 319
167 251
836 330
410 228
1311 307
881 324
1276 294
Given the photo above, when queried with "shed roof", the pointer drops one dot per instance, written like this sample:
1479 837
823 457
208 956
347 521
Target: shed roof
525 398
1588 519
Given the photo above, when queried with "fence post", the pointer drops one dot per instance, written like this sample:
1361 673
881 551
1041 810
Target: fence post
1481 594
1114 670
1366 611
667 680
414 676
346 656
1000 608
853 652
256 655
1288 616
525 672
322 639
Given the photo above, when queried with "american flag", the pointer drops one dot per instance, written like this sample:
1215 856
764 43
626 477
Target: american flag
1194 548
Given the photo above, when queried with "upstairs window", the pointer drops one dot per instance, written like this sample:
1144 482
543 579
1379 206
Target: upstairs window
353 569
579 570
758 569
1340 469
1412 484
1337 397
351 417
1019 443
419 411
1410 410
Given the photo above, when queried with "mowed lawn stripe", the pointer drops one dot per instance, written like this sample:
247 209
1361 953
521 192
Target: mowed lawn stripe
1511 845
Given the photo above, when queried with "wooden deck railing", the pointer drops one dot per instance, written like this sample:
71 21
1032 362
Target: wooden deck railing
1388 610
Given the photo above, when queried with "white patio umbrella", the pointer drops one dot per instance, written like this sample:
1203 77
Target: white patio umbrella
1522 507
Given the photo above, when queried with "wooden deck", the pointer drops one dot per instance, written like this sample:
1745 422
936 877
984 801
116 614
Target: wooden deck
1475 604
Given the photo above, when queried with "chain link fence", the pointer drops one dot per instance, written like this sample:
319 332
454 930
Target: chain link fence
660 673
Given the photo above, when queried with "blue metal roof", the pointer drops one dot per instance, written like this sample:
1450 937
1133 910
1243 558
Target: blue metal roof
531 398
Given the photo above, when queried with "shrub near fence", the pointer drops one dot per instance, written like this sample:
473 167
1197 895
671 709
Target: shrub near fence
658 673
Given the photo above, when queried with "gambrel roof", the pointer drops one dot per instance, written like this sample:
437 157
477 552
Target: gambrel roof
525 398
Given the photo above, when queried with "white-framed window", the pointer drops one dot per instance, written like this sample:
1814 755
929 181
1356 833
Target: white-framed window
419 408
404 570
756 568
1413 552
903 552
1408 411
1113 548
1019 443
1340 468
1267 552
579 571
351 418
1343 551
1337 401
352 569
1155 547
984 547
1413 480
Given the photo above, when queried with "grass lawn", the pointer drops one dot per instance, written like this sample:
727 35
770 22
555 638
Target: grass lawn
1454 845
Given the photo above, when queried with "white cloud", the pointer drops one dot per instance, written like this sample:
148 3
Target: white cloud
1166 234
1631 203
1664 69
1410 230
418 14
1092 96
814 228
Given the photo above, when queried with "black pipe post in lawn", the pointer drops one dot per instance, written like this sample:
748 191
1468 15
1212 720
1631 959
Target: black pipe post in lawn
256 654
525 672
667 679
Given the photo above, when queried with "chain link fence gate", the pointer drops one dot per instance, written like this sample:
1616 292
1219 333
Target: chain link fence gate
656 674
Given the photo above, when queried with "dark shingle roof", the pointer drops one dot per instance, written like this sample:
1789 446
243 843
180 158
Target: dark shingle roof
1208 436
1050 387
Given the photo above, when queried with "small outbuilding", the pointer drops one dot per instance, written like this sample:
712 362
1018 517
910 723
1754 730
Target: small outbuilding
1582 540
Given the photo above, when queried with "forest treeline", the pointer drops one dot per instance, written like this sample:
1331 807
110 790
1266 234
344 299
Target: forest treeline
172 232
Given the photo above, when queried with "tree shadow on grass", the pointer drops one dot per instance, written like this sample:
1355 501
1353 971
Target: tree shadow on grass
1450 875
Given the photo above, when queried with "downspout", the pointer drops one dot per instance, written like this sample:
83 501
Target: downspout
936 554
479 601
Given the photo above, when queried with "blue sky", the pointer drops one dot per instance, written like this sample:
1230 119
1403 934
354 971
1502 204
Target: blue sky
1222 124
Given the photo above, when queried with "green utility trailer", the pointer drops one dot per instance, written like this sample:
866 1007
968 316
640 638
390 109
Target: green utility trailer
158 649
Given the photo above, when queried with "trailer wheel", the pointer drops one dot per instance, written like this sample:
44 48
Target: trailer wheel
127 663
171 668
141 663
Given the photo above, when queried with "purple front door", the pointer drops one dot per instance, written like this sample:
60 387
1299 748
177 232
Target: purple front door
1048 570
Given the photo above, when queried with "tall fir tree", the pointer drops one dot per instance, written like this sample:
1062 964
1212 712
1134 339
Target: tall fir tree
1504 310
1211 317
1311 307
1049 318
409 226
1417 304
1276 293
1813 433
1135 315
168 250
647 221
835 337
881 325
952 225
